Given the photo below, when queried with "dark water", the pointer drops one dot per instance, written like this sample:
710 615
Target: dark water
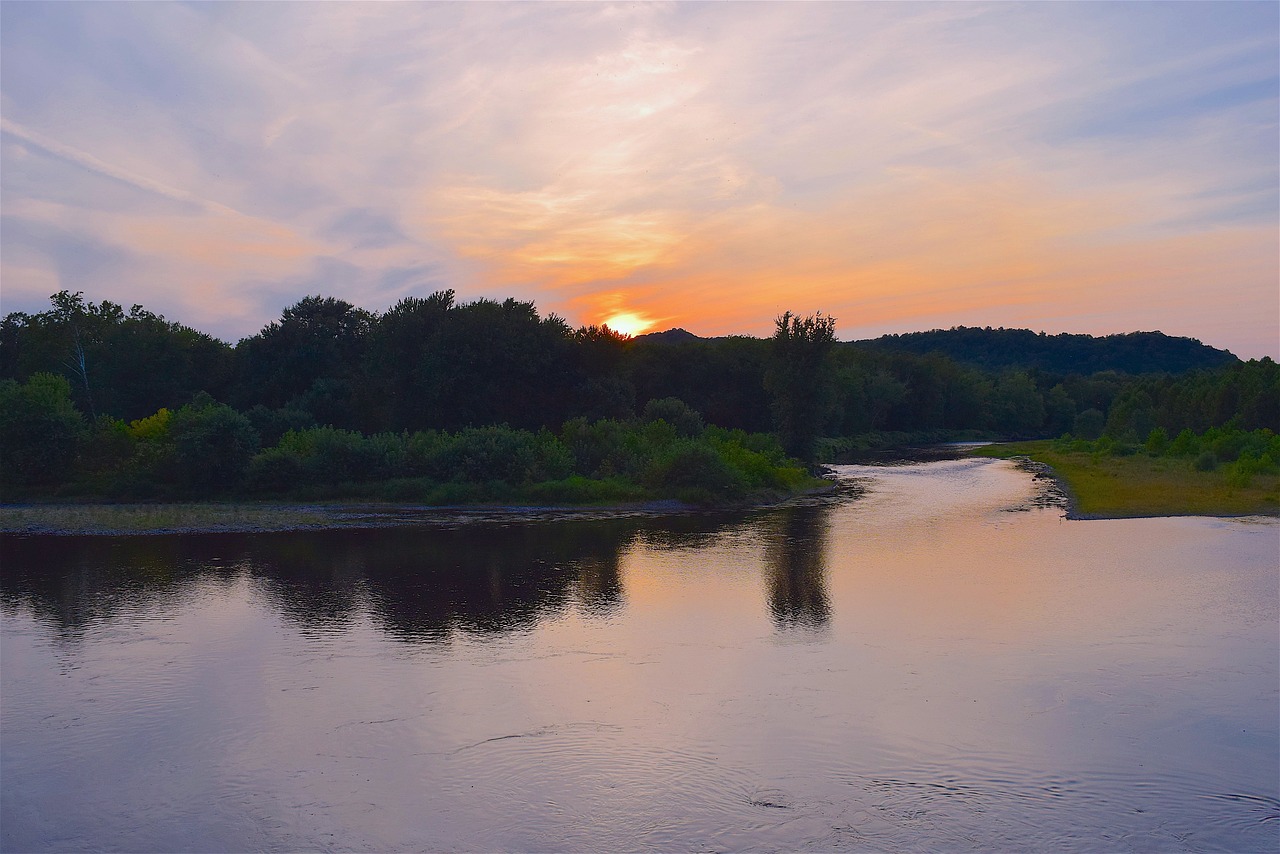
932 665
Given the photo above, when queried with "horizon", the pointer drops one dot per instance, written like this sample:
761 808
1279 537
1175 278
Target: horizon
1068 169
651 332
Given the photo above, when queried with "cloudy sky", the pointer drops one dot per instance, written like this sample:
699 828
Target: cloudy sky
1064 167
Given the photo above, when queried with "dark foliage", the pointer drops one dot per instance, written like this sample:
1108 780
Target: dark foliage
440 401
997 349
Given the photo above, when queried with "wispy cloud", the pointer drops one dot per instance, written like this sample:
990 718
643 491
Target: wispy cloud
703 165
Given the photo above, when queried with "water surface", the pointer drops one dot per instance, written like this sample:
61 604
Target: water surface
928 662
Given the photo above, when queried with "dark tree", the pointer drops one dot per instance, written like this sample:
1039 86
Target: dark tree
401 362
318 339
799 380
123 365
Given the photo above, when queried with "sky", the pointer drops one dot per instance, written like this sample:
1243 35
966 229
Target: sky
1064 167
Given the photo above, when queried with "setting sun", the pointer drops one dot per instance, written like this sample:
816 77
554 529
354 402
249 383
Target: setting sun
628 323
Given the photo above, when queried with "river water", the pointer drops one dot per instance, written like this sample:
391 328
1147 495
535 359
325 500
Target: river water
926 661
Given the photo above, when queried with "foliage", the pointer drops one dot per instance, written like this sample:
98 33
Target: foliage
799 380
212 444
436 392
153 428
40 430
125 364
1000 349
1089 424
677 413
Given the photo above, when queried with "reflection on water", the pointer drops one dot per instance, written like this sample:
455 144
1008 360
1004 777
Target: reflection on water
965 678
796 563
419 584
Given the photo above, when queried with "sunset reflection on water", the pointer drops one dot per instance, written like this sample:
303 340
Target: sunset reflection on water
929 661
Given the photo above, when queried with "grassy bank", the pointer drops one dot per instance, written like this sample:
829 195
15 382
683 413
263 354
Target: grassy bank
167 518
1102 485
123 519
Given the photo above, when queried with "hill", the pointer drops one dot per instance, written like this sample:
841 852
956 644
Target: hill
996 349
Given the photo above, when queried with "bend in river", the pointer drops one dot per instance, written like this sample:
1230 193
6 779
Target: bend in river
931 661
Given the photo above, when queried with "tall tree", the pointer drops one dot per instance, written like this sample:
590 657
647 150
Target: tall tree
312 358
799 379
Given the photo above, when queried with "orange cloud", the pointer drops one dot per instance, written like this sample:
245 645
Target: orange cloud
934 251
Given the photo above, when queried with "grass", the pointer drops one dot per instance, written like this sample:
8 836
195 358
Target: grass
356 511
1141 485
162 518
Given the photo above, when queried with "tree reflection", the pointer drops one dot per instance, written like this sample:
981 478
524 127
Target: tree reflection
796 564
418 584
74 582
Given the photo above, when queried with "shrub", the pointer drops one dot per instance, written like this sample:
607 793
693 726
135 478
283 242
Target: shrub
326 456
272 424
479 454
1206 462
1227 447
553 460
581 490
40 430
605 448
1157 442
212 444
1185 444
108 446
687 422
694 470
153 428
1089 424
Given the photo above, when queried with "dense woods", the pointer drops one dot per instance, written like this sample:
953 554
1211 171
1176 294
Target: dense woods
442 401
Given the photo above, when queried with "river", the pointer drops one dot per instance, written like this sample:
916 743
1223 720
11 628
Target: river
929 660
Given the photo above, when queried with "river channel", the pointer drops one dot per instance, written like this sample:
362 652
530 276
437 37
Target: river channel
930 660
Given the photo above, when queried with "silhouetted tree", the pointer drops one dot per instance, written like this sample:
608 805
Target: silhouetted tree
799 380
319 338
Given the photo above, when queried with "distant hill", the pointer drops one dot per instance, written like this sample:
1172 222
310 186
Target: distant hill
670 336
995 349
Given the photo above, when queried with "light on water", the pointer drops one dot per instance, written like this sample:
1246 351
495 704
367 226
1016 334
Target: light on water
928 662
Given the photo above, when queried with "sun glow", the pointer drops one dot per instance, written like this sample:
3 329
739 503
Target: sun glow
628 323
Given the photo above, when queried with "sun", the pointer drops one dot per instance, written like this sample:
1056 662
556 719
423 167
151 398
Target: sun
628 323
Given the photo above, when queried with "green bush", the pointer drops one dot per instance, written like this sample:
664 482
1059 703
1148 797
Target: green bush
1089 424
694 471
107 447
687 422
479 454
1185 444
326 456
1227 446
1206 461
1157 442
272 424
212 444
40 430
603 448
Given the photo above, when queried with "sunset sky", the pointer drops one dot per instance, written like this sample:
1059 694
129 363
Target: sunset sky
1090 167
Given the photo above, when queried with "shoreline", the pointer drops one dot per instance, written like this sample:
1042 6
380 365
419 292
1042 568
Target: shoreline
1129 506
68 519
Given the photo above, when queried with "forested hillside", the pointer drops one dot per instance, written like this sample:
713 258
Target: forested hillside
128 400
996 349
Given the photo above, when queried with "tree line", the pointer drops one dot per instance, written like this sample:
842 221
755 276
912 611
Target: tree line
328 375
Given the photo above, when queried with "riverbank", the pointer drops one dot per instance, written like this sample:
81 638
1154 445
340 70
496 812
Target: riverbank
86 519
1100 486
